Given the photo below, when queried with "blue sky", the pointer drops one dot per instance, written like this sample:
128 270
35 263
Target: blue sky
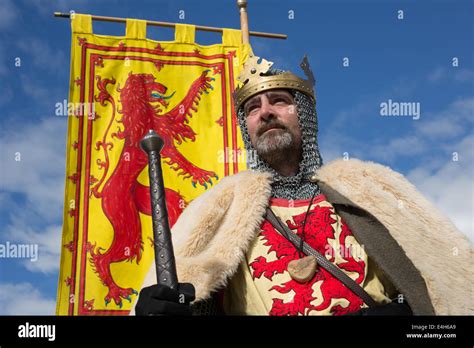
404 60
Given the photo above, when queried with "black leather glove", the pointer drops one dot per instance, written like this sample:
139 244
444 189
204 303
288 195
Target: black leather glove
162 300
392 308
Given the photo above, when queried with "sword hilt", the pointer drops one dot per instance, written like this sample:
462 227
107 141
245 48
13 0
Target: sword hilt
164 255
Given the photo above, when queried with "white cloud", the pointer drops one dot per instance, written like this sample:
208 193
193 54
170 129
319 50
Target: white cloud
24 299
407 146
47 240
39 178
433 132
446 183
432 141
456 74
451 186
40 173
447 123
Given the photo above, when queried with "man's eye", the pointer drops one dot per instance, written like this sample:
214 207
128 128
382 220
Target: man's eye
281 101
251 109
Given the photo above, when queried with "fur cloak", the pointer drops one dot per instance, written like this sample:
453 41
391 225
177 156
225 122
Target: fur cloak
420 250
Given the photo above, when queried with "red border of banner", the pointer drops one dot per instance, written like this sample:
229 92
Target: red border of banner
93 56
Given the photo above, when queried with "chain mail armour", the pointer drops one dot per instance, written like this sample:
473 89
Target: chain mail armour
298 186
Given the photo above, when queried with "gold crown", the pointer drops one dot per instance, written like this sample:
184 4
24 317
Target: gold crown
254 81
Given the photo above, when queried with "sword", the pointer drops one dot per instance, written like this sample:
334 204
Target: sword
164 255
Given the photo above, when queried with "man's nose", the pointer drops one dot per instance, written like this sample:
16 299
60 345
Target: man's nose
266 109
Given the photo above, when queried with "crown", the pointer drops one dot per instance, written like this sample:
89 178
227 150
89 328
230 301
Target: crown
253 80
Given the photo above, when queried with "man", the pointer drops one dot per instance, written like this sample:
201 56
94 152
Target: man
401 255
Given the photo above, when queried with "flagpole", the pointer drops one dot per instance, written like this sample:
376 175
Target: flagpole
173 25
244 21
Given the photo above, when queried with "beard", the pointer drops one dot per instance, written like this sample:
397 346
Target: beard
275 145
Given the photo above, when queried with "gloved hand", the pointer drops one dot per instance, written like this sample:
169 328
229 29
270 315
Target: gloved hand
162 300
391 308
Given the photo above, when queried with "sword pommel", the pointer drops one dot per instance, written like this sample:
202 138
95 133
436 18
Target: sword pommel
151 142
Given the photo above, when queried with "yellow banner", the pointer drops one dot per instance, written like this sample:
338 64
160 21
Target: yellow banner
120 87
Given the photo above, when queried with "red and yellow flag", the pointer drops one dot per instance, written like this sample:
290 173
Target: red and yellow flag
120 88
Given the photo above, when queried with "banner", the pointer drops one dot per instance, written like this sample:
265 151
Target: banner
120 87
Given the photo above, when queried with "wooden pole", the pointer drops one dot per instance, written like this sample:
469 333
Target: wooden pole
173 25
244 21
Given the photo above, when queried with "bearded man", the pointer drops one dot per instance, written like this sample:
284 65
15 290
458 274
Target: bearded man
291 236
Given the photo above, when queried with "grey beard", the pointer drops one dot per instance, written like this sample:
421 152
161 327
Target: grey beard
275 148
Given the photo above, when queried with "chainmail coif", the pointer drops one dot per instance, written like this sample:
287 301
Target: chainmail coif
298 186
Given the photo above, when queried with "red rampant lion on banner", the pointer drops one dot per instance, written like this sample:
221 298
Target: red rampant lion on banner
317 232
122 196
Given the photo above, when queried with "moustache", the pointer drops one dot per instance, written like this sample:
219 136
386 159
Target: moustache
269 126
